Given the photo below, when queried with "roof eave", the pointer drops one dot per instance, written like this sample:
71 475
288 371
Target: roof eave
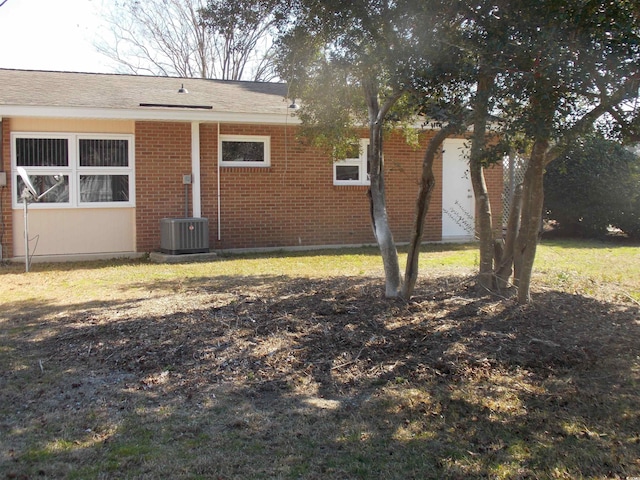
147 113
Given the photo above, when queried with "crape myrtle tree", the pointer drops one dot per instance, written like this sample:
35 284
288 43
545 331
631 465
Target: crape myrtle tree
482 36
576 61
371 63
547 71
543 72
223 39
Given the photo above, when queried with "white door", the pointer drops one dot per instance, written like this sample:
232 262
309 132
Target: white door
458 208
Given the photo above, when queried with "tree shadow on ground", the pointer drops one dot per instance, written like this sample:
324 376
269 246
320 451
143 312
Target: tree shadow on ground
278 377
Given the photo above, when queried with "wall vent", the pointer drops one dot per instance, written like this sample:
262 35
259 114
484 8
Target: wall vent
184 235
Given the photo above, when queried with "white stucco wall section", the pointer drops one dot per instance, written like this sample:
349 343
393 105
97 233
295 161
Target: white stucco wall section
75 231
47 125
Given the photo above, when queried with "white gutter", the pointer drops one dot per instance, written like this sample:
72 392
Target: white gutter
218 179
145 113
196 199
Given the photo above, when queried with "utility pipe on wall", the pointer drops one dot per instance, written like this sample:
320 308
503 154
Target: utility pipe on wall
195 170
2 186
218 181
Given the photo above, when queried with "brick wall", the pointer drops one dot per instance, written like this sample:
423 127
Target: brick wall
291 203
294 202
6 229
403 172
163 155
493 178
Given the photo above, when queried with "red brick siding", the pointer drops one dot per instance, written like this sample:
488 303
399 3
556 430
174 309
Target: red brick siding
493 178
403 169
6 229
163 156
293 202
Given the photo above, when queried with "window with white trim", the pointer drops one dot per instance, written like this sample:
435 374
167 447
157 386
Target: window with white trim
88 170
355 169
245 151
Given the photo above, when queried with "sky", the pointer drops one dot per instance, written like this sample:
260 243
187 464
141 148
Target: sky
51 35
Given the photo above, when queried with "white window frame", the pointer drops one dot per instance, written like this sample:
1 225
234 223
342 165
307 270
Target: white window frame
264 139
73 170
360 162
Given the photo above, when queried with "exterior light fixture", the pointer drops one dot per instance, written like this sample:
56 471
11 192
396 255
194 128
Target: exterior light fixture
182 89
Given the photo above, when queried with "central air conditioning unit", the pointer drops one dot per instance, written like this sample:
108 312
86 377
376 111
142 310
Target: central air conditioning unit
184 235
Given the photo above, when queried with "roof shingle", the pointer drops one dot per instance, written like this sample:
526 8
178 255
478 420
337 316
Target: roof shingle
32 88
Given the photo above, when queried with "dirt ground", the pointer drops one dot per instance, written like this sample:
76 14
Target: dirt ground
339 335
324 339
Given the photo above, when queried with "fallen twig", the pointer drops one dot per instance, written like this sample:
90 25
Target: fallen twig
349 362
631 298
548 343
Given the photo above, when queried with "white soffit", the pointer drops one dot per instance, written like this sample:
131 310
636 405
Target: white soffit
148 113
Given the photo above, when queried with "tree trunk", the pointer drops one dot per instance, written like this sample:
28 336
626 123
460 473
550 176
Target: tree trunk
484 226
532 200
545 103
377 197
379 219
476 169
427 184
504 263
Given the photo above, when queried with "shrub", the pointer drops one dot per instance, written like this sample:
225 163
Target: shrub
594 185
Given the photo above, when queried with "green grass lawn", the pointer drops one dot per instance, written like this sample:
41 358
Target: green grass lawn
567 264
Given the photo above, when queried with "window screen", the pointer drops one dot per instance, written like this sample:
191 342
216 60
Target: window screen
104 188
103 153
242 151
42 152
347 172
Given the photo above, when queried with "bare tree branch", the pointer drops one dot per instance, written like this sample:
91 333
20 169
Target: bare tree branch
175 37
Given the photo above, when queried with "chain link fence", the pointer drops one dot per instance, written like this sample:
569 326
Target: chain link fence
513 170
